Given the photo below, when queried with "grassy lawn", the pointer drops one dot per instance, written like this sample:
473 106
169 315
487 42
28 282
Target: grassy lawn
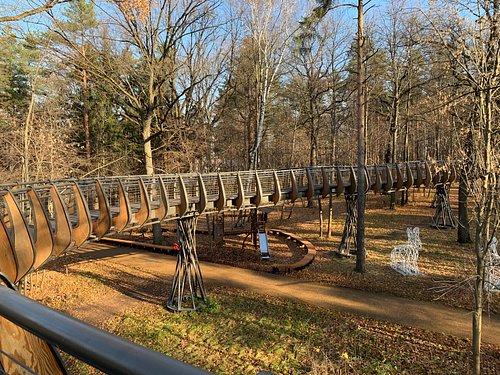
243 333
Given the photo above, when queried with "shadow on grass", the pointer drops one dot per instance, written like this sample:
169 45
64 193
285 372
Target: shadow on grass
152 290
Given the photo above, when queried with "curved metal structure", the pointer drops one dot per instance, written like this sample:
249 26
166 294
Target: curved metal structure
41 220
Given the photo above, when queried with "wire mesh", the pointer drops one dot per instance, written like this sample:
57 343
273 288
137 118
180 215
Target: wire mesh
153 190
230 181
402 169
173 189
372 174
89 193
301 179
345 175
266 179
133 191
211 182
316 177
69 200
192 188
249 183
285 180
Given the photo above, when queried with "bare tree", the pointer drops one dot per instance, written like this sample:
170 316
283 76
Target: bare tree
19 15
317 14
360 232
399 42
148 61
270 25
310 67
472 44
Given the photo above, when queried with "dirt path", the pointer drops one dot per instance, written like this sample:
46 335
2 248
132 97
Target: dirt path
418 314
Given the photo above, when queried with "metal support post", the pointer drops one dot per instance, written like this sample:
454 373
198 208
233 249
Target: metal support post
187 286
443 217
347 245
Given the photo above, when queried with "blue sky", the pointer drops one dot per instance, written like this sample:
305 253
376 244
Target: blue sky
37 22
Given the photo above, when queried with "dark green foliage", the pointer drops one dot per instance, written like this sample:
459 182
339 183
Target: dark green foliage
318 13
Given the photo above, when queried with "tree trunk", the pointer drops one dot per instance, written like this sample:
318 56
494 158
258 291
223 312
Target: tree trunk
333 123
25 173
86 127
360 233
313 153
365 121
394 137
330 215
148 160
252 157
293 145
463 215
394 131
320 213
484 215
148 152
437 143
85 94
477 316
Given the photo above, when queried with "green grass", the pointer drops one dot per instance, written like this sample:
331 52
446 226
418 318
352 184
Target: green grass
244 333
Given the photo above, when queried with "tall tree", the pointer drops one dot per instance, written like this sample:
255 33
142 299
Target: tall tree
270 27
318 13
398 78
360 232
150 58
472 44
77 26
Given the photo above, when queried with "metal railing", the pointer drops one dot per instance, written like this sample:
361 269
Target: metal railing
103 351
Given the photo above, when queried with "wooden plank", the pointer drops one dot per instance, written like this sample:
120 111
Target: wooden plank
103 223
43 236
22 243
142 216
27 349
8 264
62 231
123 216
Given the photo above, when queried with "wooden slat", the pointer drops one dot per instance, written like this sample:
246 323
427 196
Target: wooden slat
62 233
103 222
44 241
8 264
24 248
24 347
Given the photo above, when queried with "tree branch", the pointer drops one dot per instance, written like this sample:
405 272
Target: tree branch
43 8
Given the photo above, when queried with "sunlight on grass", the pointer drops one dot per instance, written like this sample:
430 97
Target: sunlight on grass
243 333
445 264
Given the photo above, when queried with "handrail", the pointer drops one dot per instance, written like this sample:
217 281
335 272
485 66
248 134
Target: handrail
100 349
98 212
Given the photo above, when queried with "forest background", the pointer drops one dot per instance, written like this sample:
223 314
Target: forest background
120 87
104 88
